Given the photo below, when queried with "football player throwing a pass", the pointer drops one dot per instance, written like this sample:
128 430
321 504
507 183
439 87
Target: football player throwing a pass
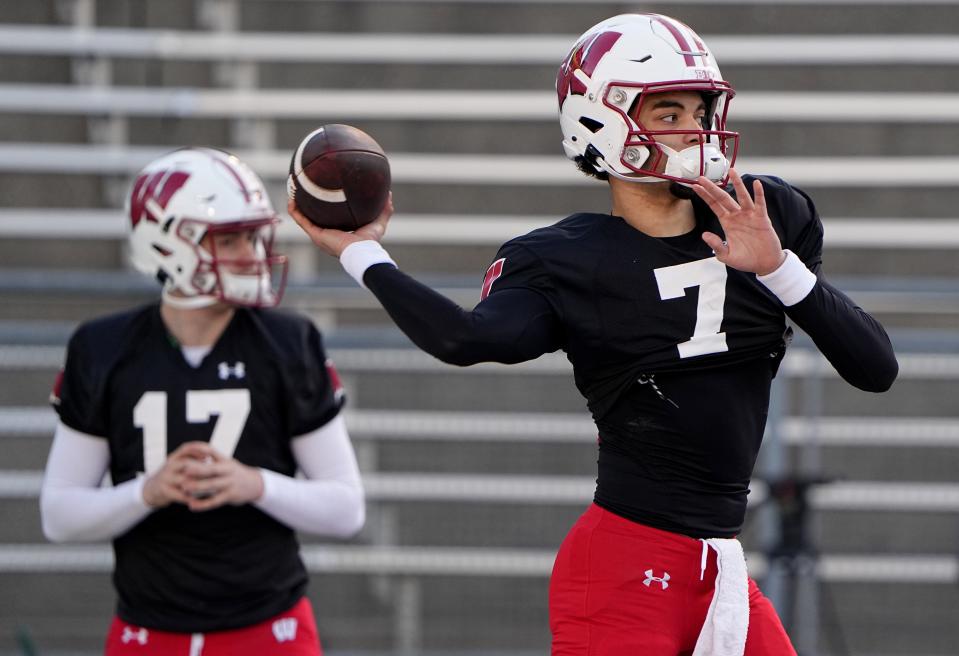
202 407
672 309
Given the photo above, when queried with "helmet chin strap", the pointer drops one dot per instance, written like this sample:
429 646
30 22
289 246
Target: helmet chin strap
680 164
188 302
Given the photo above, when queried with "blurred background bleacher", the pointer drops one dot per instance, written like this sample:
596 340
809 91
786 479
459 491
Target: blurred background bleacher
474 476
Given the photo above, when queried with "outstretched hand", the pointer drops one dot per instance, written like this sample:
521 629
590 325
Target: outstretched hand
751 244
332 241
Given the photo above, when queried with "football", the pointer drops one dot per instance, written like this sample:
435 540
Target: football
339 177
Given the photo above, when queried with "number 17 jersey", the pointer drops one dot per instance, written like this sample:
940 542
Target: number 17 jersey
264 382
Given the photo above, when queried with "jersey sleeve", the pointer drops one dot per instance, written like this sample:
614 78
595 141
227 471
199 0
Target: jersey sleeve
517 267
77 394
853 341
513 322
316 395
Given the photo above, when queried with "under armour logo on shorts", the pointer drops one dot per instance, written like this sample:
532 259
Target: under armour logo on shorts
284 630
664 580
129 635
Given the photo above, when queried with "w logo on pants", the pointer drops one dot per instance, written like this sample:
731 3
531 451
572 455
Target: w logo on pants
664 580
284 630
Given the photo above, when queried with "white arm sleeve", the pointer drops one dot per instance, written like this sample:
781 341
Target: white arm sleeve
361 255
73 506
791 282
329 501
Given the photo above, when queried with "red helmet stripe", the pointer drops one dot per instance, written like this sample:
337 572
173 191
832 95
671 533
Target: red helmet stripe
136 199
143 191
171 185
584 56
678 35
702 49
228 165
160 186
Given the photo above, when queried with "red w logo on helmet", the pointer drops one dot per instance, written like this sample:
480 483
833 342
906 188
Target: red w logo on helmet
153 191
584 56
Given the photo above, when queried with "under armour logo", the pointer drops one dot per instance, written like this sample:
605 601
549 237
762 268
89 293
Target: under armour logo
664 580
225 370
284 630
129 635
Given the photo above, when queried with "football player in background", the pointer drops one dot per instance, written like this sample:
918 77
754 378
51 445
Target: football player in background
671 308
202 407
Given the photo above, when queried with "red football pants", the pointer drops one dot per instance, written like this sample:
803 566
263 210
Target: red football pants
620 588
292 633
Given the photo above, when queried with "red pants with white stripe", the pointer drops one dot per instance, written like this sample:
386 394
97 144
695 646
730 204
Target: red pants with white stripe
292 633
620 588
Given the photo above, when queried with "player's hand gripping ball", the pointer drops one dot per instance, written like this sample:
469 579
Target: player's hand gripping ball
339 177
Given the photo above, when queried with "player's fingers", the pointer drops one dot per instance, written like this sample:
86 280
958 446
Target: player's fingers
199 470
711 199
715 242
212 498
207 503
313 231
216 456
175 494
193 445
742 194
192 450
718 197
759 193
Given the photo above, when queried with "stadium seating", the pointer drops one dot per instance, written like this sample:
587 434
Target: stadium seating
473 476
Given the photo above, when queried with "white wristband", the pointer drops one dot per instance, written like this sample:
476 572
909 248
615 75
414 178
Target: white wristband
791 282
361 255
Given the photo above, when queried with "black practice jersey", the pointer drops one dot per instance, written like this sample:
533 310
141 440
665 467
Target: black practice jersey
264 382
673 351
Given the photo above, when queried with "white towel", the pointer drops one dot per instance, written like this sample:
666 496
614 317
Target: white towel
727 620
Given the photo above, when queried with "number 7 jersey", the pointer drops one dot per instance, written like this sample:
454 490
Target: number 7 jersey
265 381
633 305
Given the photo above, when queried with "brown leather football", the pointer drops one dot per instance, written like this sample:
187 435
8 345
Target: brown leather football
339 177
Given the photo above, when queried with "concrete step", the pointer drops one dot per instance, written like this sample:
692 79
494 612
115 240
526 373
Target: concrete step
27 68
483 390
849 531
793 138
891 619
522 17
573 18
525 506
64 128
467 261
73 611
499 388
41 12
758 77
86 191
521 456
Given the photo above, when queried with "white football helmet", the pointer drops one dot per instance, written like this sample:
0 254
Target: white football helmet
607 76
185 196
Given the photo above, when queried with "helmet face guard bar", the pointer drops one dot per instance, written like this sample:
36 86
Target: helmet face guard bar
257 281
627 99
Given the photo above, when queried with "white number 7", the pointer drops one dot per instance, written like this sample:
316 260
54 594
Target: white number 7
231 406
710 276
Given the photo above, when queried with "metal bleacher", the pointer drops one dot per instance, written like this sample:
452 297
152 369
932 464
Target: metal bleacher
474 475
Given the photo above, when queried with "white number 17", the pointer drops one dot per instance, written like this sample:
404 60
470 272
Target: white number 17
231 407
